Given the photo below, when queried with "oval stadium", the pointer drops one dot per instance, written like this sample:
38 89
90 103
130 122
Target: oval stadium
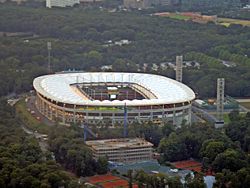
112 97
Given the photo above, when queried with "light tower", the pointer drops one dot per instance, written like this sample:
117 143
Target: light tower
220 102
125 126
49 52
178 69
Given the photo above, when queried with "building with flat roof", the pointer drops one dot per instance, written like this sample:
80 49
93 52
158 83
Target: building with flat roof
123 150
17 1
61 3
144 4
140 4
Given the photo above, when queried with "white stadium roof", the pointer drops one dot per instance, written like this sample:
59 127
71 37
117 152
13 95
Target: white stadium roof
57 87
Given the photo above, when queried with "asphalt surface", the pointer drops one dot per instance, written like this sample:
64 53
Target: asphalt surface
196 119
42 138
31 105
205 115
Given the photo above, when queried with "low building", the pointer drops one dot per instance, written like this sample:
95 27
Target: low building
122 150
144 4
61 3
165 2
140 4
90 1
152 167
17 1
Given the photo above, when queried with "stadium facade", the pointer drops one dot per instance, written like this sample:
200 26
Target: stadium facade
102 97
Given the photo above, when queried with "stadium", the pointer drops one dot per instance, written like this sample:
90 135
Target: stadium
105 97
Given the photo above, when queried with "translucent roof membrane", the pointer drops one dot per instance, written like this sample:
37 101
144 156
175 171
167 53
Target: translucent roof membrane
167 91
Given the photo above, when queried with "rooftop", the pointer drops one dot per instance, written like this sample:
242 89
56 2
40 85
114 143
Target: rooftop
58 88
150 167
118 143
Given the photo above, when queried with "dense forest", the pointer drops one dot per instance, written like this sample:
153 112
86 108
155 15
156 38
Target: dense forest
70 150
223 151
79 36
22 163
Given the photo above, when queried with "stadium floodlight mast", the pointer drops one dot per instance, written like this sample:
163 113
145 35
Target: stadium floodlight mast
125 128
220 102
178 68
49 47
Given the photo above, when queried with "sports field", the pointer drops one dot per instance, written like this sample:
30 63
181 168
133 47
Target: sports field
194 16
228 21
188 165
178 17
109 181
226 118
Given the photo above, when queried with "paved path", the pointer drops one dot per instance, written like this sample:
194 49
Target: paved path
242 100
205 115
242 108
31 105
195 118
40 137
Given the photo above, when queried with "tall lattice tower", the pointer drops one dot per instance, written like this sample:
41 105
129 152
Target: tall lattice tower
49 54
178 69
220 98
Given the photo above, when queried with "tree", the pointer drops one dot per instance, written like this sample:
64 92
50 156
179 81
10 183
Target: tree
119 65
205 164
21 159
242 178
157 180
223 178
239 130
172 148
130 178
102 166
246 144
229 159
94 57
196 181
234 115
211 148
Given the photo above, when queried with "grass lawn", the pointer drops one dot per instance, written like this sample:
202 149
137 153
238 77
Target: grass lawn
178 17
226 119
225 24
228 21
28 120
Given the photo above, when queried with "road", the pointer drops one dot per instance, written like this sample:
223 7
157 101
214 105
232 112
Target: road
195 118
31 105
244 109
205 115
42 139
242 100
